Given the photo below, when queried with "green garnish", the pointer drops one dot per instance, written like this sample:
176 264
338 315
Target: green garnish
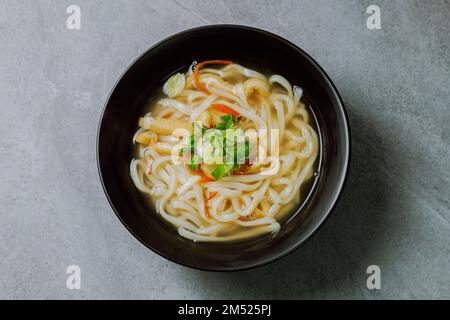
219 172
222 170
228 122
194 163
225 149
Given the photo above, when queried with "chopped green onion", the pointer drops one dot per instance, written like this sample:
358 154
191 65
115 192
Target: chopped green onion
219 172
194 163
222 170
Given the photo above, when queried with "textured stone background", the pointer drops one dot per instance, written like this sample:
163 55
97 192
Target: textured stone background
394 212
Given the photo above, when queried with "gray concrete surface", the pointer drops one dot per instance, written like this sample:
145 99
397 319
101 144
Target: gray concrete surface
395 210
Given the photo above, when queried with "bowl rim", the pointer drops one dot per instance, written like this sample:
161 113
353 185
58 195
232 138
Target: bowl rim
340 186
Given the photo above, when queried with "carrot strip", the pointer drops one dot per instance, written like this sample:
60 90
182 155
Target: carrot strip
198 84
206 179
212 195
208 215
225 109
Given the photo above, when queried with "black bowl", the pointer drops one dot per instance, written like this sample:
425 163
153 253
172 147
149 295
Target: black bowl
247 46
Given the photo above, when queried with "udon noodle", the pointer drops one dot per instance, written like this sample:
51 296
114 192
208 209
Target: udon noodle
193 187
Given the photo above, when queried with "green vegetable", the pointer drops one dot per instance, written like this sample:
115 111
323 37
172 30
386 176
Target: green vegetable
215 146
247 150
228 122
194 163
221 170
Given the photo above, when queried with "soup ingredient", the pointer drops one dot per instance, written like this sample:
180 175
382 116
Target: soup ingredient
256 86
204 178
164 126
174 85
216 146
228 122
147 138
206 119
212 195
225 109
198 84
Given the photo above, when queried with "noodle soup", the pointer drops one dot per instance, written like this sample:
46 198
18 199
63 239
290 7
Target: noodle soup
226 152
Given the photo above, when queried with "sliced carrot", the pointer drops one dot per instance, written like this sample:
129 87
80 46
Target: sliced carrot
208 215
217 61
198 84
206 179
212 195
223 108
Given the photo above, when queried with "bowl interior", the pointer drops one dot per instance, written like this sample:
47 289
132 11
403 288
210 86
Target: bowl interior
249 47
